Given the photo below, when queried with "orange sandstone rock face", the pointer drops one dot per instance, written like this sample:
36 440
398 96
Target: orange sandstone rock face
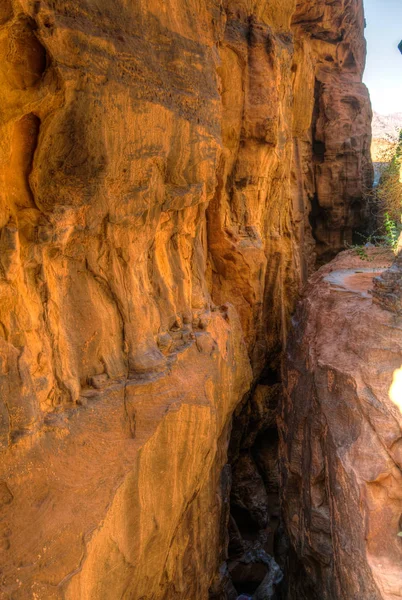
341 437
157 161
120 497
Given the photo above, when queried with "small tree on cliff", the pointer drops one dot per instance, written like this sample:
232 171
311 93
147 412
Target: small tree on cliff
389 197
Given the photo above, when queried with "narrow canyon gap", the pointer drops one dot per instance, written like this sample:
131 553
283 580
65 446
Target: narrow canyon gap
172 172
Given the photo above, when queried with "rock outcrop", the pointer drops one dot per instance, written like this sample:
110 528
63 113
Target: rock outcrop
341 439
169 172
387 290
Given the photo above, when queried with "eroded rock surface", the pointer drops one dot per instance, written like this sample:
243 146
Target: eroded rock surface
341 440
158 160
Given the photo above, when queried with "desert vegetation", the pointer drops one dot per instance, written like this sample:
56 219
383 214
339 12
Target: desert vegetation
385 198
388 199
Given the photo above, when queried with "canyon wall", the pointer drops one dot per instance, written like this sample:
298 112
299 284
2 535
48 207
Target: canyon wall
340 424
171 171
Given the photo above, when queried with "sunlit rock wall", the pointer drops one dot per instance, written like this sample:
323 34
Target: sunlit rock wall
158 160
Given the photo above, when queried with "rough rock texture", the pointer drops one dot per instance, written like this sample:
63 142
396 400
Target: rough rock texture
157 161
341 441
387 290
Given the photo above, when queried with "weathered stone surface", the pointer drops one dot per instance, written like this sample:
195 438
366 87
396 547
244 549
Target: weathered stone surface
109 488
341 437
256 571
267 589
248 490
387 291
158 160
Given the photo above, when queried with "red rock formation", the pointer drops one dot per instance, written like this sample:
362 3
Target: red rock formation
341 437
157 161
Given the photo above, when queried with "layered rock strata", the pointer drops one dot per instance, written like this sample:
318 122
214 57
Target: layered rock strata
341 439
158 160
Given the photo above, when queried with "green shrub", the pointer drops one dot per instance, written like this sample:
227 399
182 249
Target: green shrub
385 203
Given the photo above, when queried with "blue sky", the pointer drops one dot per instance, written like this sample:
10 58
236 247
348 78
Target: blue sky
383 74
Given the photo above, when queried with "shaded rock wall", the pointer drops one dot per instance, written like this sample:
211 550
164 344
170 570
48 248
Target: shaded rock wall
158 160
341 438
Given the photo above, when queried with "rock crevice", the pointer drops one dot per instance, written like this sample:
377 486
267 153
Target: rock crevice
170 172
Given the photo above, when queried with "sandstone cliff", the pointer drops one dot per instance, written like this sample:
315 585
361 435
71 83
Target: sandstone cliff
341 436
169 172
